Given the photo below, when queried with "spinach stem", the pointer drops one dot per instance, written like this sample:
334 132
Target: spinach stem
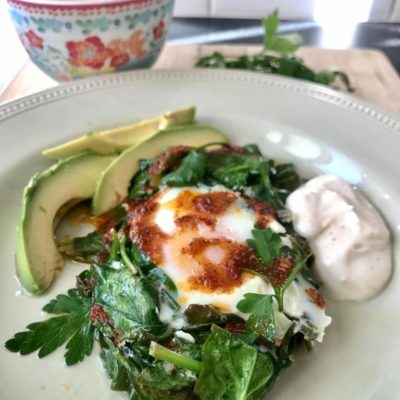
114 246
179 360
125 258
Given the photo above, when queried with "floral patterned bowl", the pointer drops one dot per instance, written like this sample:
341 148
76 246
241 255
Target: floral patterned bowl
79 38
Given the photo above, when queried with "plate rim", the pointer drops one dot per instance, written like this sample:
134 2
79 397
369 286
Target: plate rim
303 88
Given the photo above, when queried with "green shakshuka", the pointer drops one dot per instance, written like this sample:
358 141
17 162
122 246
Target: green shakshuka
193 281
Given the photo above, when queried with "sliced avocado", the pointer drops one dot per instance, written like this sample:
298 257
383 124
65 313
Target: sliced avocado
117 139
184 116
113 184
70 180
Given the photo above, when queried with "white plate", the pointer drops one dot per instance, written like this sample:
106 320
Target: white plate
322 131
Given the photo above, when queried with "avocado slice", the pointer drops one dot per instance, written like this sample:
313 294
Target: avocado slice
65 183
113 184
117 139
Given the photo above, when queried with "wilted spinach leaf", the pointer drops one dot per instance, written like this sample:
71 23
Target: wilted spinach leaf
265 190
141 184
286 349
233 370
151 271
285 180
115 370
164 381
192 350
264 375
85 248
286 177
190 171
252 149
201 314
141 259
129 300
233 170
163 283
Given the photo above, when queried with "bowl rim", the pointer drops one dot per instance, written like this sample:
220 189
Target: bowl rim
80 4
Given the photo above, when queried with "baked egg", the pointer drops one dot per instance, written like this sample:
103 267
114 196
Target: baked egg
197 236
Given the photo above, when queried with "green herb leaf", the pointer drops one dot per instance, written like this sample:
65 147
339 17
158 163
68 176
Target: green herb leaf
190 171
233 370
80 345
266 243
271 24
286 44
261 322
280 263
73 325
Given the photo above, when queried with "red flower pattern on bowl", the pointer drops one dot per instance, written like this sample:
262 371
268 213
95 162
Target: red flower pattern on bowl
90 52
34 39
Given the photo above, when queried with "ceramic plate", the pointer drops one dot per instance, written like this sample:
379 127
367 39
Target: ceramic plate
320 130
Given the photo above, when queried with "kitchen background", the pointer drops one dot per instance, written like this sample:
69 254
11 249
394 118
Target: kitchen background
322 23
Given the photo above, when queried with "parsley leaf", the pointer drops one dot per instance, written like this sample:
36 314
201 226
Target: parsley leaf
73 325
261 321
266 243
284 44
279 263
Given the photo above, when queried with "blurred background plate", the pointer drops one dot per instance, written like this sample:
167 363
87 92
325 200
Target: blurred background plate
320 130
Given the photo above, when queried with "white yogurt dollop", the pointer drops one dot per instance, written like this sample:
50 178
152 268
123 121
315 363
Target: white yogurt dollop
347 235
